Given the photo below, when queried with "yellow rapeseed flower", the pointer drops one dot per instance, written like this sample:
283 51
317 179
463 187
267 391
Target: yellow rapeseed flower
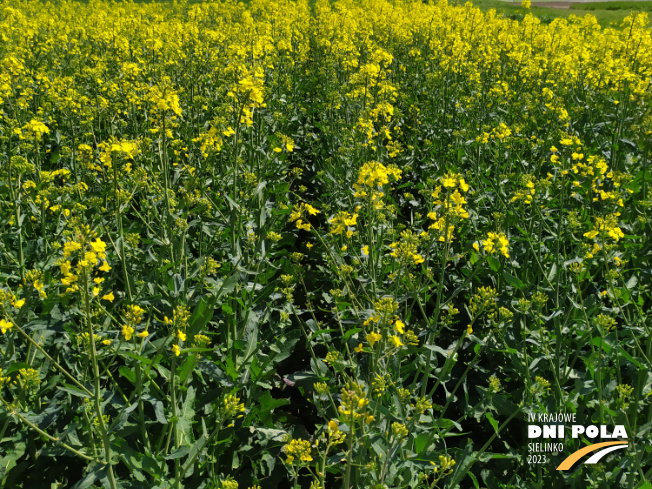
5 326
127 332
373 338
399 326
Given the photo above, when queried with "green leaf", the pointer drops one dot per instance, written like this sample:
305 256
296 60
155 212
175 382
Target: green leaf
188 365
230 369
140 358
601 344
89 479
284 346
513 281
493 263
463 468
504 407
268 403
492 420
251 333
11 457
351 332
128 374
447 424
320 332
178 453
196 447
15 367
269 434
202 314
228 285
420 442
187 416
136 461
622 293
159 410
73 390
624 353
475 481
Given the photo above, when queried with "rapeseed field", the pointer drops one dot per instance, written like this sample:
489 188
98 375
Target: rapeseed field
351 244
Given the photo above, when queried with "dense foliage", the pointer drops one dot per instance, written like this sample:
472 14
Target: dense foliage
351 244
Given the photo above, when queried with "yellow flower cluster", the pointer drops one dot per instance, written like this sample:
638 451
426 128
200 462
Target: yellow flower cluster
35 277
249 94
494 384
606 226
233 407
527 194
399 430
373 338
5 326
29 377
374 175
382 318
87 255
164 99
341 222
133 315
127 332
500 133
405 251
495 242
229 484
483 301
300 212
354 403
451 205
34 129
4 379
126 150
178 323
446 463
335 435
297 449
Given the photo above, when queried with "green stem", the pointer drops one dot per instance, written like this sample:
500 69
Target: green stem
349 455
141 409
54 362
15 198
96 374
118 218
56 441
206 440
476 455
166 176
431 334
235 213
